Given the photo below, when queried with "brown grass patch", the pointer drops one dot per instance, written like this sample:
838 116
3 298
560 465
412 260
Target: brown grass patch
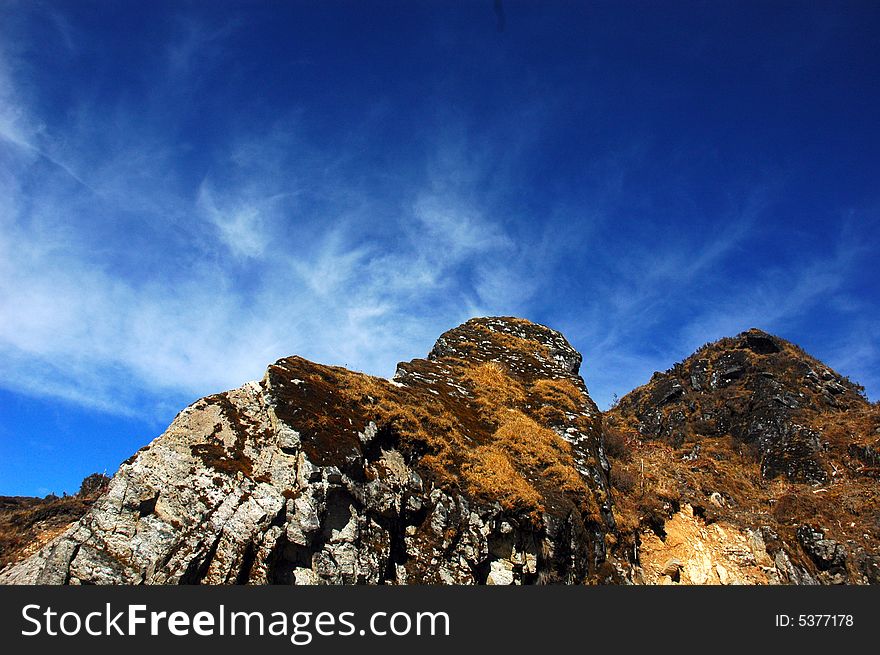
531 444
514 343
493 389
651 478
27 524
522 458
223 461
424 428
555 400
542 455
493 475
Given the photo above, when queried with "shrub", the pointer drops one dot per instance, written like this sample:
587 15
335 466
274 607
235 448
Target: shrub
93 484
624 480
615 442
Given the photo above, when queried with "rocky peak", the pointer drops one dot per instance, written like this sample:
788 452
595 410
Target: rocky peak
525 347
481 463
757 387
770 445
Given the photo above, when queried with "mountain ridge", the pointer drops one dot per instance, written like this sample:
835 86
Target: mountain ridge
488 462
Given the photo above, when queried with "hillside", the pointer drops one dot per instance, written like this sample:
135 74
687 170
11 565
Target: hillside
26 524
755 438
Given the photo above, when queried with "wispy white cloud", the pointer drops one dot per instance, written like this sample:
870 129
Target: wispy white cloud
195 45
239 221
123 287
128 278
453 230
15 123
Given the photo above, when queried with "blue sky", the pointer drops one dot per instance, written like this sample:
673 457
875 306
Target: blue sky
189 191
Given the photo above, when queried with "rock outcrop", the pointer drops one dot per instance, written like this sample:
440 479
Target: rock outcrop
481 464
761 390
487 463
750 442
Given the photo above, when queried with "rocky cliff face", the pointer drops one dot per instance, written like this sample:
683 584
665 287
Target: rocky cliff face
481 464
487 462
752 462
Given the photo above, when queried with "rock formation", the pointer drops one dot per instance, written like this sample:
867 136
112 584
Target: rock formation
480 464
487 462
755 462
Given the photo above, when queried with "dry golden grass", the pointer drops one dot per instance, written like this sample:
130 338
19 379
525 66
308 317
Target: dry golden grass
852 431
515 459
560 393
514 343
533 450
493 475
493 389
420 426
545 456
567 479
522 458
28 523
555 400
650 477
467 347
531 444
